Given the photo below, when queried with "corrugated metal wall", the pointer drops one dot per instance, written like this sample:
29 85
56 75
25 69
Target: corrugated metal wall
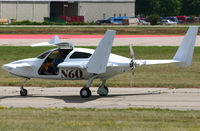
92 11
33 11
102 10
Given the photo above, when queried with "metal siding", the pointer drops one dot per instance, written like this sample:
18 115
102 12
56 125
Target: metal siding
8 10
0 9
93 11
41 10
25 11
33 11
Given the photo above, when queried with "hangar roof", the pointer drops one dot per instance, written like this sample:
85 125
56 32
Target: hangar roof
75 0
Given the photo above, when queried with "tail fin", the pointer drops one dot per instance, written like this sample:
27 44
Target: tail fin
98 61
52 42
55 40
186 49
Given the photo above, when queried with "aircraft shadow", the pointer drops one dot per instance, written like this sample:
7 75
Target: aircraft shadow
77 98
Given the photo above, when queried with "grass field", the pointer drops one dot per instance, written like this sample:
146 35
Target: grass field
122 30
145 76
30 119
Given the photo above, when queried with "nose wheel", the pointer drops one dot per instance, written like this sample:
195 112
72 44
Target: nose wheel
85 92
23 92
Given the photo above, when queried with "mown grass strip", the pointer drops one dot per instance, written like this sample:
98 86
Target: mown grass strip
127 30
53 119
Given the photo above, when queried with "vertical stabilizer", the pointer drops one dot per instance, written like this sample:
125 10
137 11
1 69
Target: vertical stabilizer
186 49
55 40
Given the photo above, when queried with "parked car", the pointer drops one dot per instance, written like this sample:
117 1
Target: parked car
182 19
143 22
100 22
112 20
174 19
168 22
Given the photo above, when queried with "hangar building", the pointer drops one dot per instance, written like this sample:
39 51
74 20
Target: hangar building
92 10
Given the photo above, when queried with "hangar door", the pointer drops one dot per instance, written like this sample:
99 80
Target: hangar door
63 9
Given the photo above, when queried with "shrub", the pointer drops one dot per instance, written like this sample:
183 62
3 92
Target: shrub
154 19
27 22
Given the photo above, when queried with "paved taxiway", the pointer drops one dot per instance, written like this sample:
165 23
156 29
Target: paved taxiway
136 41
59 97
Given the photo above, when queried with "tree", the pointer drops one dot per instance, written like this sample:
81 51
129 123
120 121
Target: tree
160 7
143 7
169 7
154 19
146 7
189 7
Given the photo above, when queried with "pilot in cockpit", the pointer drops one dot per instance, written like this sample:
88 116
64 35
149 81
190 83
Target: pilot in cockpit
58 59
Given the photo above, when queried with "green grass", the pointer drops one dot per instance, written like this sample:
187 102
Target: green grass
137 119
145 76
122 30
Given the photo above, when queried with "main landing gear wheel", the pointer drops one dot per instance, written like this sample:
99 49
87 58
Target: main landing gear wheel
85 92
103 91
23 92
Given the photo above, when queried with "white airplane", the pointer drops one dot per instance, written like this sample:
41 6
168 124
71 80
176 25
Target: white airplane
69 63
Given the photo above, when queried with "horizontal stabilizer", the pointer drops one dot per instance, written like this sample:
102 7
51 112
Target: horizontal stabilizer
153 62
98 61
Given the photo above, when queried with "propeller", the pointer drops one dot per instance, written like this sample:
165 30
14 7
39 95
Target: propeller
132 63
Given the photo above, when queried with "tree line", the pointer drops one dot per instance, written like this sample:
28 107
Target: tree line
168 7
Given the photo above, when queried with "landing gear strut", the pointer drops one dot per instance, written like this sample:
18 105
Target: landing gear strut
85 92
23 92
102 91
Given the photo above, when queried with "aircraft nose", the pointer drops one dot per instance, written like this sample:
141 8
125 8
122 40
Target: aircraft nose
7 67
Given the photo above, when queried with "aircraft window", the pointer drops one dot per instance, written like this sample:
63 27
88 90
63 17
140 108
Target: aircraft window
49 67
43 55
78 55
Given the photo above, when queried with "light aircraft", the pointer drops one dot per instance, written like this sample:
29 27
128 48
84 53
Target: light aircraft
69 63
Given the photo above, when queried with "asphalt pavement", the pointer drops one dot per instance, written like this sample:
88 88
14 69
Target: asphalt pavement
59 97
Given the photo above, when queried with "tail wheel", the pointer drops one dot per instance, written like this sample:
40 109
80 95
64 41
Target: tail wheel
85 92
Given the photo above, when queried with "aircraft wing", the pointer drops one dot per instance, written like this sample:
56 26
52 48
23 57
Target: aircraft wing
99 59
73 64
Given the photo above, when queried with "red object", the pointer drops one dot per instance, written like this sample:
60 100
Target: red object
72 18
182 19
143 19
79 36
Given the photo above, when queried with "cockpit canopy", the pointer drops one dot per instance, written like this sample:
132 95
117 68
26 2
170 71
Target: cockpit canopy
65 45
